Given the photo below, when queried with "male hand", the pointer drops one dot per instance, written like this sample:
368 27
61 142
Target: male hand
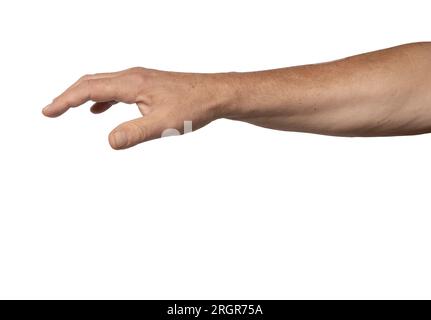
165 99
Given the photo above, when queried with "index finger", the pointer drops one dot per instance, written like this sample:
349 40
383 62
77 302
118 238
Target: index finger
117 88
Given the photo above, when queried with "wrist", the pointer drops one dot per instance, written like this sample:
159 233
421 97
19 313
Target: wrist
224 91
243 95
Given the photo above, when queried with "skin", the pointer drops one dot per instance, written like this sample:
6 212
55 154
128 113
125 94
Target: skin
381 93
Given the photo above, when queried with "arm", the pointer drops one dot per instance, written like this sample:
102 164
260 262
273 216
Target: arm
381 93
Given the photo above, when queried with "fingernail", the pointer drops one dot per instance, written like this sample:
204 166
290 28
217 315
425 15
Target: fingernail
46 108
120 139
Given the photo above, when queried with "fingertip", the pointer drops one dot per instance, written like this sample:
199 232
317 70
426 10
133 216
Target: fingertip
48 111
100 107
96 109
118 139
45 112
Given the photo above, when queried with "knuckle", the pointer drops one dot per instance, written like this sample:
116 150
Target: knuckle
86 77
136 73
141 131
139 82
86 87
135 70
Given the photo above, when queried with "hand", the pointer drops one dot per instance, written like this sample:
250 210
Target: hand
165 99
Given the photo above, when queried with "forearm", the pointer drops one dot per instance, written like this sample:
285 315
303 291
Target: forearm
386 92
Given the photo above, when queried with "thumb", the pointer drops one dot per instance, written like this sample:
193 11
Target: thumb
136 131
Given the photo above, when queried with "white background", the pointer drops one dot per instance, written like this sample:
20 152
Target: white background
230 211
